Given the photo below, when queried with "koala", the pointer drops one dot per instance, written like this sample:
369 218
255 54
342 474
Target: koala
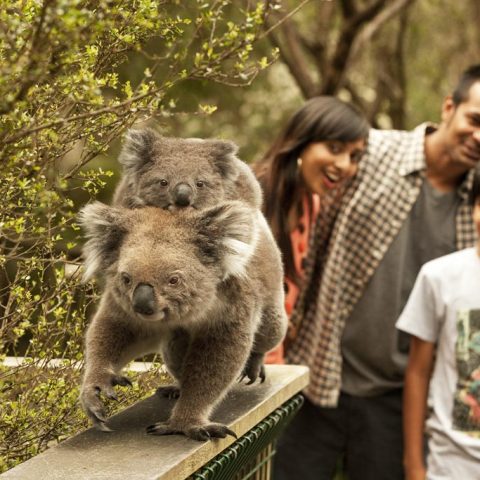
196 286
175 173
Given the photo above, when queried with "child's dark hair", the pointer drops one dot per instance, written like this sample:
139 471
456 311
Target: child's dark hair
475 193
467 79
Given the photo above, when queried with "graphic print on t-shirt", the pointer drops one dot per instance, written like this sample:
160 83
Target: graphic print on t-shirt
466 405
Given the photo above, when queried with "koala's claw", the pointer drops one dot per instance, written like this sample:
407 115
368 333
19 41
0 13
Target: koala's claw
254 369
121 380
102 427
200 433
91 402
96 413
171 392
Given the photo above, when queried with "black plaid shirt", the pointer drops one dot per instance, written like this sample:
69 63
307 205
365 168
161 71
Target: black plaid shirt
347 248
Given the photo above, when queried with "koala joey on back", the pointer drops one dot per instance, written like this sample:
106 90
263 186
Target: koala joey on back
174 173
194 286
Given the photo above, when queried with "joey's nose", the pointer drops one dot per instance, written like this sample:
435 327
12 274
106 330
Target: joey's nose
144 299
183 195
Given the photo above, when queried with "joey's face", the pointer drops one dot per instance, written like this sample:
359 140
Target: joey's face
176 173
174 184
158 283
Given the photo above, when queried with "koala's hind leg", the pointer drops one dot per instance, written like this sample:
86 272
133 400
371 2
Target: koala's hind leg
174 352
254 368
212 364
270 332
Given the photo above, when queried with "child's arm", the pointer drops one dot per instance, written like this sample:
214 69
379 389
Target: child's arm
417 379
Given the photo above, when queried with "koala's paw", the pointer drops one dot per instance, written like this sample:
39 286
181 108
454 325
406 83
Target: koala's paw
254 369
91 402
197 432
168 391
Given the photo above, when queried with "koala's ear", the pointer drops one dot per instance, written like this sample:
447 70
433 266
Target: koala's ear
137 149
105 228
223 154
228 234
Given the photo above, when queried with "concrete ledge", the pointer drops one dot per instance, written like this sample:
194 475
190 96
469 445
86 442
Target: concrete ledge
129 452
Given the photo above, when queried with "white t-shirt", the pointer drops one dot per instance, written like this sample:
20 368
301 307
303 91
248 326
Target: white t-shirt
444 308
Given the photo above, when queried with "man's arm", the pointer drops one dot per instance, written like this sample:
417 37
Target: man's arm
417 379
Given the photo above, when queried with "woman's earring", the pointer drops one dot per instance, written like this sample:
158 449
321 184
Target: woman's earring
299 162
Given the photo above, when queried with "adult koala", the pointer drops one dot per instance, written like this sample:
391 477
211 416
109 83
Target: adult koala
175 173
193 286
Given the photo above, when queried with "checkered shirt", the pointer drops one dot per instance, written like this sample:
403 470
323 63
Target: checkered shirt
349 240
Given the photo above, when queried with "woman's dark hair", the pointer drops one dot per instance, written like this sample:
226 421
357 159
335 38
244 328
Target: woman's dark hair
320 119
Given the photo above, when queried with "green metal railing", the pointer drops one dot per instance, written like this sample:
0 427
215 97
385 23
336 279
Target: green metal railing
250 456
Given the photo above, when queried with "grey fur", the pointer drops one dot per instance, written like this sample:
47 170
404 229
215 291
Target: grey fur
147 158
226 291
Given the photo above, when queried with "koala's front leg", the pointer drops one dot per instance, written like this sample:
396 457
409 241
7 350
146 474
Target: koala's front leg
213 363
106 354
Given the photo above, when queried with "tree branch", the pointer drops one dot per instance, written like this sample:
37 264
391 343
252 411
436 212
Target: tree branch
292 53
334 75
374 26
349 9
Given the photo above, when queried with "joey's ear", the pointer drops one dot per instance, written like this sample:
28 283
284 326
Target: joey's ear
105 228
228 234
223 154
137 149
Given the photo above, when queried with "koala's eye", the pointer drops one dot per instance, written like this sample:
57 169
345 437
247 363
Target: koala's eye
173 280
163 182
200 184
126 279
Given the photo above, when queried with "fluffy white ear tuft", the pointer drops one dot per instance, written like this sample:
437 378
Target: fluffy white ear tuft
233 228
104 228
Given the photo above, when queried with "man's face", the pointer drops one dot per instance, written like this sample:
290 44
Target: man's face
463 128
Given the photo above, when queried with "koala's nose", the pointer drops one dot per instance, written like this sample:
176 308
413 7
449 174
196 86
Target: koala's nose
144 299
183 194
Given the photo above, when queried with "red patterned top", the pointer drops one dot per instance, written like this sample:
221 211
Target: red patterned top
299 239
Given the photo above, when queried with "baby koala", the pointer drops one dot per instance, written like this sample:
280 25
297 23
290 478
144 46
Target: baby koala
174 173
195 286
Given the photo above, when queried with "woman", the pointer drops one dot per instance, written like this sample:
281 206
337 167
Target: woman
314 157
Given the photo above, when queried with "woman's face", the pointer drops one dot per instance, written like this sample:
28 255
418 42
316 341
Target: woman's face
326 166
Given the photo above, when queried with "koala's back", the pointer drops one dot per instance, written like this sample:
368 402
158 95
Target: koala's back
246 187
266 265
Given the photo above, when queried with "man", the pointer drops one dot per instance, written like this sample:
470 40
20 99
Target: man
407 205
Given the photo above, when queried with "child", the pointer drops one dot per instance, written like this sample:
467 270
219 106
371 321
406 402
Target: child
443 317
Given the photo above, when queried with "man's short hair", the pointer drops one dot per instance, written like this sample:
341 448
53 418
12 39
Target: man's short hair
475 192
467 79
